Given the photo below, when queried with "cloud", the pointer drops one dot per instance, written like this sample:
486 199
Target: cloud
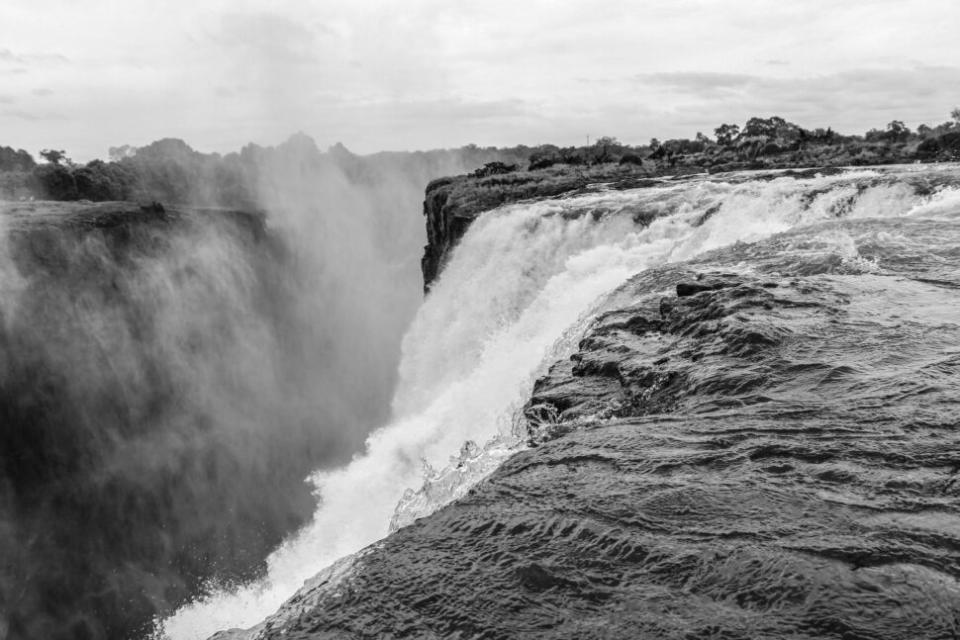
11 58
703 84
455 110
271 35
227 92
869 86
31 116
42 92
221 73
850 101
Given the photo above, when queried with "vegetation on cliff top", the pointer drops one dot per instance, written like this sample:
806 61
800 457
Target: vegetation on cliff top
762 143
169 170
172 172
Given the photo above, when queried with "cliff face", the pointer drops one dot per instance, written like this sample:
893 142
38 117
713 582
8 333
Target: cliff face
451 204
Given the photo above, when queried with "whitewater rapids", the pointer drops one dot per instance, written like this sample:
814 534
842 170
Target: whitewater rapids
516 296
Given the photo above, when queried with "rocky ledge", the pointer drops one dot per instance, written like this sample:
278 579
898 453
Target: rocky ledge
452 203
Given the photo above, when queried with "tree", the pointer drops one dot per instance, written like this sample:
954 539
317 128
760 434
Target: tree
493 169
897 131
15 160
99 181
771 127
726 133
606 147
955 114
54 182
823 135
55 156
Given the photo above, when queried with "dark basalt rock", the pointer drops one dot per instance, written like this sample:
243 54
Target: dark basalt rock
701 284
451 204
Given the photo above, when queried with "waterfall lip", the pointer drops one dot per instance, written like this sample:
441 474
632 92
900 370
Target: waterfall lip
453 203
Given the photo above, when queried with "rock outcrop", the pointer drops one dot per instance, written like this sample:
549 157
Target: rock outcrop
451 204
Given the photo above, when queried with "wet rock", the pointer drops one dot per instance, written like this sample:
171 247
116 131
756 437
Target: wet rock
709 283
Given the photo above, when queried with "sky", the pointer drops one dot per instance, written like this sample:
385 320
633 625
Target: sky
85 75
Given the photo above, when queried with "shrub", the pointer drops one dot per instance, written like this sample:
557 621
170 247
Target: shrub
54 182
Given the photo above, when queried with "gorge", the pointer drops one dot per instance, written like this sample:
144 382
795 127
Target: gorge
704 405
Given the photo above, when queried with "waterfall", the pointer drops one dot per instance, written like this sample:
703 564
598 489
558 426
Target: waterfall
513 298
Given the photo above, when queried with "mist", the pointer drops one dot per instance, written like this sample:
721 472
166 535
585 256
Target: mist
168 382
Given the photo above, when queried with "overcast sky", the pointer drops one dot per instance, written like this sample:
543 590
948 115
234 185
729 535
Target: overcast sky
412 74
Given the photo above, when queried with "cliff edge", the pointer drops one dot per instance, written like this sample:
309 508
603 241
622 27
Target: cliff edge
451 204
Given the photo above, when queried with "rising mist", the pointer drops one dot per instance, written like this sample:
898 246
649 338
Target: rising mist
170 378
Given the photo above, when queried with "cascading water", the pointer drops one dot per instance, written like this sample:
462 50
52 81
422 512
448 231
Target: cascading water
514 297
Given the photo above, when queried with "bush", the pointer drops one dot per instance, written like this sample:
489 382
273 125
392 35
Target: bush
18 160
54 182
493 169
99 181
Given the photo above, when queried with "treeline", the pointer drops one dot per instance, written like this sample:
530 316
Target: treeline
764 143
169 170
